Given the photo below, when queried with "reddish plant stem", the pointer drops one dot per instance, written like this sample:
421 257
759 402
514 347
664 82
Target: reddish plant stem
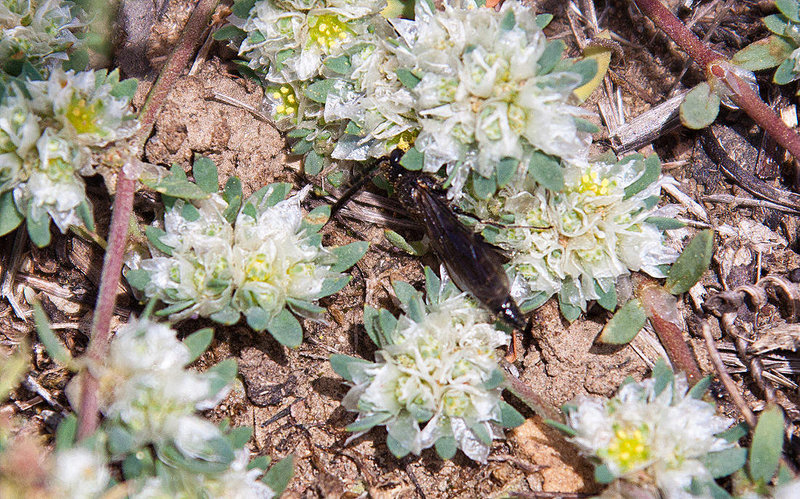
717 66
192 36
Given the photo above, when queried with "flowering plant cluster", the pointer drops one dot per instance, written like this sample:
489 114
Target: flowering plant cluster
436 380
467 86
656 434
578 241
151 430
220 258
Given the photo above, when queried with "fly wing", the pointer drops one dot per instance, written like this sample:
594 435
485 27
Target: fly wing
473 264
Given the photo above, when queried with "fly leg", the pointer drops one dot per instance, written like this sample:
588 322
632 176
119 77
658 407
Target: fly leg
514 347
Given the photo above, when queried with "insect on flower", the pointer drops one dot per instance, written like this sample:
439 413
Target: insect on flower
474 265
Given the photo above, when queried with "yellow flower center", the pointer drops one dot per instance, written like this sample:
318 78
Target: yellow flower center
629 448
83 115
328 31
285 101
590 182
258 268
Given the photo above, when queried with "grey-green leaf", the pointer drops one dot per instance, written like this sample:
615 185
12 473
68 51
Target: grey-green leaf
205 174
510 417
763 54
446 447
198 342
625 324
348 255
700 107
546 170
725 462
279 476
767 446
285 328
691 264
52 344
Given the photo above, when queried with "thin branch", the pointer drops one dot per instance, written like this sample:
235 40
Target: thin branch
192 36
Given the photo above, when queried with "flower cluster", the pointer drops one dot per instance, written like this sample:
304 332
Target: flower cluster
52 133
654 433
467 86
436 378
215 260
36 33
581 239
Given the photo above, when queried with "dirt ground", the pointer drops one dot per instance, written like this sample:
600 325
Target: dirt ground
291 397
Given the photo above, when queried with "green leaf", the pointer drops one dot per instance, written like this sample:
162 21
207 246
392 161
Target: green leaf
277 192
367 423
176 185
57 351
767 446
154 235
568 310
316 218
663 376
229 32
414 248
125 89
665 223
302 147
38 230
405 292
691 264
481 433
506 169
587 126
510 417
586 68
789 8
775 23
785 73
10 217
764 54
509 21
546 171
333 285
257 318
226 316
175 308
313 163
190 213
542 20
120 441
412 160
603 475
138 464
725 462
371 325
137 278
607 299
561 427
551 56
407 78
341 365
353 128
205 174
279 476
339 64
734 433
700 107
707 488
625 324
388 323
396 448
232 194
260 462
66 432
318 91
78 61
700 388
285 328
446 447
220 375
496 379
198 342
432 282
348 255
300 306
241 8
652 170
483 187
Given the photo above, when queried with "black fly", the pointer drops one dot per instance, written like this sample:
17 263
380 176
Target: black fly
474 265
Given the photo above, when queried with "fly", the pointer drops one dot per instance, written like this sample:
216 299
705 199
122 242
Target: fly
473 264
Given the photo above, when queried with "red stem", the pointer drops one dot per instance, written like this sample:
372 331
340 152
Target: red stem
718 66
192 36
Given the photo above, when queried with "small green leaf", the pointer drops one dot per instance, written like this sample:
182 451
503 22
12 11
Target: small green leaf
190 213
227 316
586 68
625 324
316 218
663 376
561 427
279 476
120 441
333 285
138 464
496 379
339 64
480 431
138 278
734 433
764 54
57 351
691 264
220 375
241 8
125 89
38 230
432 282
396 448
446 447
652 170
568 310
232 194
412 160
154 235
313 163
353 128
303 307
551 55
66 432
367 423
388 323
348 255
176 185
665 223
725 462
302 147
767 446
775 23
785 73
299 133
229 32
700 107
175 308
198 342
277 192
606 299
407 78
586 126
483 187
341 365
318 91
371 325
546 171
509 21
405 292
10 217
700 388
510 417
542 20
414 248
603 475
260 462
506 169
257 318
205 174
789 8
285 328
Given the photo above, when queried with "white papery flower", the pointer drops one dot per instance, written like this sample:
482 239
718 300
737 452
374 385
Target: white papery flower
78 473
430 381
588 233
480 98
659 438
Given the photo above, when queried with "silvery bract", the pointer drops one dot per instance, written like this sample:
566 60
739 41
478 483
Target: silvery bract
656 438
78 473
